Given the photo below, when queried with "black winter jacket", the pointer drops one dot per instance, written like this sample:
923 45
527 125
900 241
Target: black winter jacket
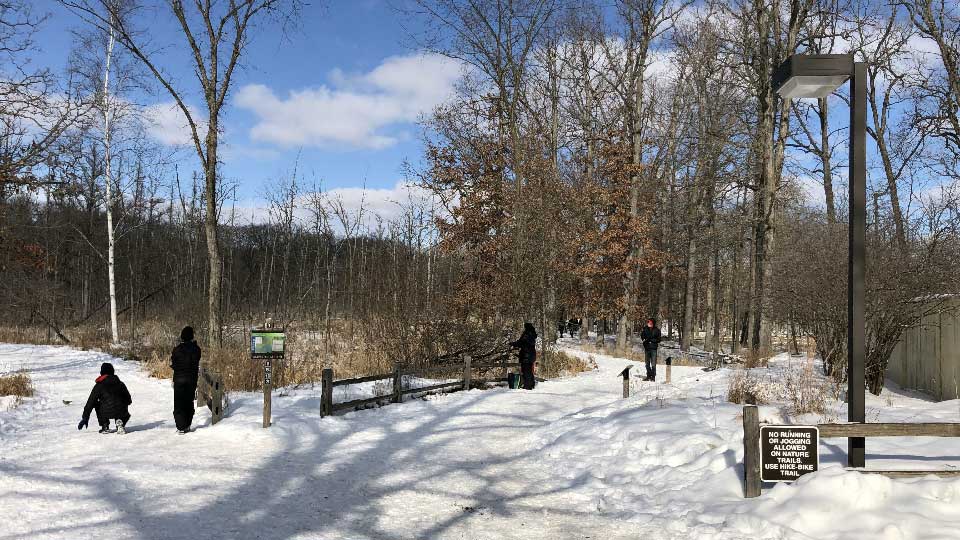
185 360
527 345
650 337
111 396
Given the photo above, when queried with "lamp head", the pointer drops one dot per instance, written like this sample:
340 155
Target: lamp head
811 75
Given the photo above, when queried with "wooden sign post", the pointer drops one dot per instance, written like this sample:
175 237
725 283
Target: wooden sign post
267 344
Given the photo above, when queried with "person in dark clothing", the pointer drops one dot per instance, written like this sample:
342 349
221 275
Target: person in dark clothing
185 361
528 355
110 399
651 341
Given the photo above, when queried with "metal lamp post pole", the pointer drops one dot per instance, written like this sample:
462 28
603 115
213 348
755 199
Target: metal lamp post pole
856 277
817 75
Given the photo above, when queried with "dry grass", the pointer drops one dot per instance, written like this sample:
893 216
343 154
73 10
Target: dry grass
24 335
17 384
799 387
745 387
806 391
560 364
351 352
755 359
158 365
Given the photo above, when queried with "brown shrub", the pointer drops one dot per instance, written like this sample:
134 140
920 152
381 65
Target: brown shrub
745 387
17 384
158 365
560 364
755 359
807 391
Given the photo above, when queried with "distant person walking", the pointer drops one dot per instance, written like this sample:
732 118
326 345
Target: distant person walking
651 342
185 361
528 355
110 399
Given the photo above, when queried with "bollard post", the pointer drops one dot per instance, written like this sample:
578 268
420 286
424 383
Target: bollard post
326 392
397 385
626 380
669 363
466 372
751 451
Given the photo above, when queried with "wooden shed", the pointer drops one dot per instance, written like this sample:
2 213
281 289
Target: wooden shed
927 358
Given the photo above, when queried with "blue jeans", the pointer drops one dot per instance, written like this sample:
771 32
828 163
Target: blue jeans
650 359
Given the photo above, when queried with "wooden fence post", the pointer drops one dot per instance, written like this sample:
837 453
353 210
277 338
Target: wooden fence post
200 382
751 451
397 385
326 392
669 363
217 399
466 372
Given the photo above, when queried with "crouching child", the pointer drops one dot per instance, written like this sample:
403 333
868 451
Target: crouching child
110 399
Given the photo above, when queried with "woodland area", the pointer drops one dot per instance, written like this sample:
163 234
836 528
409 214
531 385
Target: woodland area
604 161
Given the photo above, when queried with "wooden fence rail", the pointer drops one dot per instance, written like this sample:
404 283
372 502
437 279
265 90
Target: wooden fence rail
751 445
211 393
465 382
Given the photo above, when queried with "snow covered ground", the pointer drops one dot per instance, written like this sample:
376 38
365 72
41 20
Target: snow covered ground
568 460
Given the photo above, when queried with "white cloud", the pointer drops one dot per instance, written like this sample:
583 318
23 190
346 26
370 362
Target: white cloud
368 205
357 108
387 204
167 124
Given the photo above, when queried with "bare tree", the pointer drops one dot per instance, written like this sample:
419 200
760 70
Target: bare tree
939 114
35 110
628 58
216 34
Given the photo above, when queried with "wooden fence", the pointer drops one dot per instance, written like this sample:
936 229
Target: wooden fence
751 445
466 380
210 393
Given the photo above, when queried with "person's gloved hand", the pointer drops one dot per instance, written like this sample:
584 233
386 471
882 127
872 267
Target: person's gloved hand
83 424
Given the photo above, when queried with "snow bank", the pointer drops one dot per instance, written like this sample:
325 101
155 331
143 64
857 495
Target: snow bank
568 460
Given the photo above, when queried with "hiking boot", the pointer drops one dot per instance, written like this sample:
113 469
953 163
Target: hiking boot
105 429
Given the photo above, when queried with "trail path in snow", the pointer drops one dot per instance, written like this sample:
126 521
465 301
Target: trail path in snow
568 460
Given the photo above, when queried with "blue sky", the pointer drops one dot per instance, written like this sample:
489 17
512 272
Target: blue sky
343 92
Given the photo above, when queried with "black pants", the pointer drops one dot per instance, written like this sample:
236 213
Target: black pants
184 390
650 359
105 421
526 374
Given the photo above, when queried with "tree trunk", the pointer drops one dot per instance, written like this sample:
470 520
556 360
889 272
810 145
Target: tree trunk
687 332
211 228
825 158
111 271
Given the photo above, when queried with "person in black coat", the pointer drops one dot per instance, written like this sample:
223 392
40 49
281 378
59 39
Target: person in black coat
110 399
651 342
528 355
185 361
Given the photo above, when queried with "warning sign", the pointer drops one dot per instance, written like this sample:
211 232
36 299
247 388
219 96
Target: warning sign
788 452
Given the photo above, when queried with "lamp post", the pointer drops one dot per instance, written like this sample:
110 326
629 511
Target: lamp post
817 76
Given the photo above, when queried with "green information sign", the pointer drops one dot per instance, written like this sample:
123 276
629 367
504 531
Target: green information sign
266 344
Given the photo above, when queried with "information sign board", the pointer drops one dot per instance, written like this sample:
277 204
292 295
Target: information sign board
788 452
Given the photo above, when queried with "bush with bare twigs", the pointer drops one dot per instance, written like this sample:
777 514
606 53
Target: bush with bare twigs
16 384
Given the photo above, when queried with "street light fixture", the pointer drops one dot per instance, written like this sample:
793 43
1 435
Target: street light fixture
817 76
